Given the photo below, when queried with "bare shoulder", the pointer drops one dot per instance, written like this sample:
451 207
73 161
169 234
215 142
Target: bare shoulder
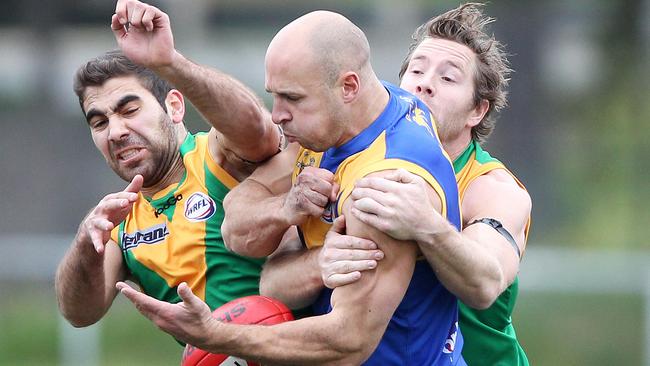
493 193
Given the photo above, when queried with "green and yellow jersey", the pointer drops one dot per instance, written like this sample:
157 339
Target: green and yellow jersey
490 337
175 236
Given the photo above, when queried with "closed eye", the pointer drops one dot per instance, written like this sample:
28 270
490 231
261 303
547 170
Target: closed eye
293 98
98 124
130 111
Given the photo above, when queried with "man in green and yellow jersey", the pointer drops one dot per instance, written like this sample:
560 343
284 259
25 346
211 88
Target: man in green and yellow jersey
165 227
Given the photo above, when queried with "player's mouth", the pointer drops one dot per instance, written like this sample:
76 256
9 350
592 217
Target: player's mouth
290 138
128 155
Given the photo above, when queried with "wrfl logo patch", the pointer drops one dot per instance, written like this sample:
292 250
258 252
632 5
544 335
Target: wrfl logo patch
199 207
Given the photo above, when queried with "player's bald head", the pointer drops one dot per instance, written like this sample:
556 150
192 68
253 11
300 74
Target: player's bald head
324 39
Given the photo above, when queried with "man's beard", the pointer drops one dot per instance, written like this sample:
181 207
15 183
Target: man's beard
162 152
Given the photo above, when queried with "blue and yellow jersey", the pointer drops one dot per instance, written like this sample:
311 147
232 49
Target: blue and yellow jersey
175 236
424 328
490 337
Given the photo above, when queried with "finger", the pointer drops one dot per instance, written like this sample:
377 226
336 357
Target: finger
340 255
115 204
188 297
147 305
316 198
337 280
118 28
121 12
319 172
401 176
96 229
147 18
136 184
371 205
98 241
313 183
136 10
122 195
335 191
351 242
338 226
368 219
121 285
343 267
377 183
101 224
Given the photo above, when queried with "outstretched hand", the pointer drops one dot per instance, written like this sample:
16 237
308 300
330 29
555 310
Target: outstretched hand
108 213
343 257
144 33
189 321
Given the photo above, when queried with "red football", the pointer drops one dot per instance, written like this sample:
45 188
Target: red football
246 310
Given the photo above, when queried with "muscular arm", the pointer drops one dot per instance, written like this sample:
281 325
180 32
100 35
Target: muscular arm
85 281
257 232
494 195
477 264
345 336
261 209
243 123
244 126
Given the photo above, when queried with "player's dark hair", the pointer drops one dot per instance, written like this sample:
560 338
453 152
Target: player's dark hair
114 64
465 25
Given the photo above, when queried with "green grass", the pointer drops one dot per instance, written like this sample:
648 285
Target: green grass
29 319
554 329
569 329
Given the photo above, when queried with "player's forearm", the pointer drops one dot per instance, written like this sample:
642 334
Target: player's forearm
293 278
227 104
80 285
253 227
320 340
463 266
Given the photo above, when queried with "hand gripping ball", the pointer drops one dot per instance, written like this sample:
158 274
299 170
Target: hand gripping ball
246 310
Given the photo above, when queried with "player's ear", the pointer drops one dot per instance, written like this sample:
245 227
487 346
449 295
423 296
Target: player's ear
175 104
478 113
350 86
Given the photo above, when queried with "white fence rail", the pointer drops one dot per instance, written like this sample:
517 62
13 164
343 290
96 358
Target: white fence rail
550 269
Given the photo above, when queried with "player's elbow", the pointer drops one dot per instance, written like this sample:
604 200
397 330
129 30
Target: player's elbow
241 241
79 319
243 245
479 300
80 322
483 294
346 351
361 342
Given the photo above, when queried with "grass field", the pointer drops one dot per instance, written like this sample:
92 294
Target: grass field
555 329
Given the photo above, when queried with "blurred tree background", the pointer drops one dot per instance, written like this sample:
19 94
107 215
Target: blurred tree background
576 130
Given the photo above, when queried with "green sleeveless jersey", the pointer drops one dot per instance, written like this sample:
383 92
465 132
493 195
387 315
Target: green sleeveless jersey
175 236
490 337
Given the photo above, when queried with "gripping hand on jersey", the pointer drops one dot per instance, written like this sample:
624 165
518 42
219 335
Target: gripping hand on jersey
397 205
313 189
144 33
108 213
